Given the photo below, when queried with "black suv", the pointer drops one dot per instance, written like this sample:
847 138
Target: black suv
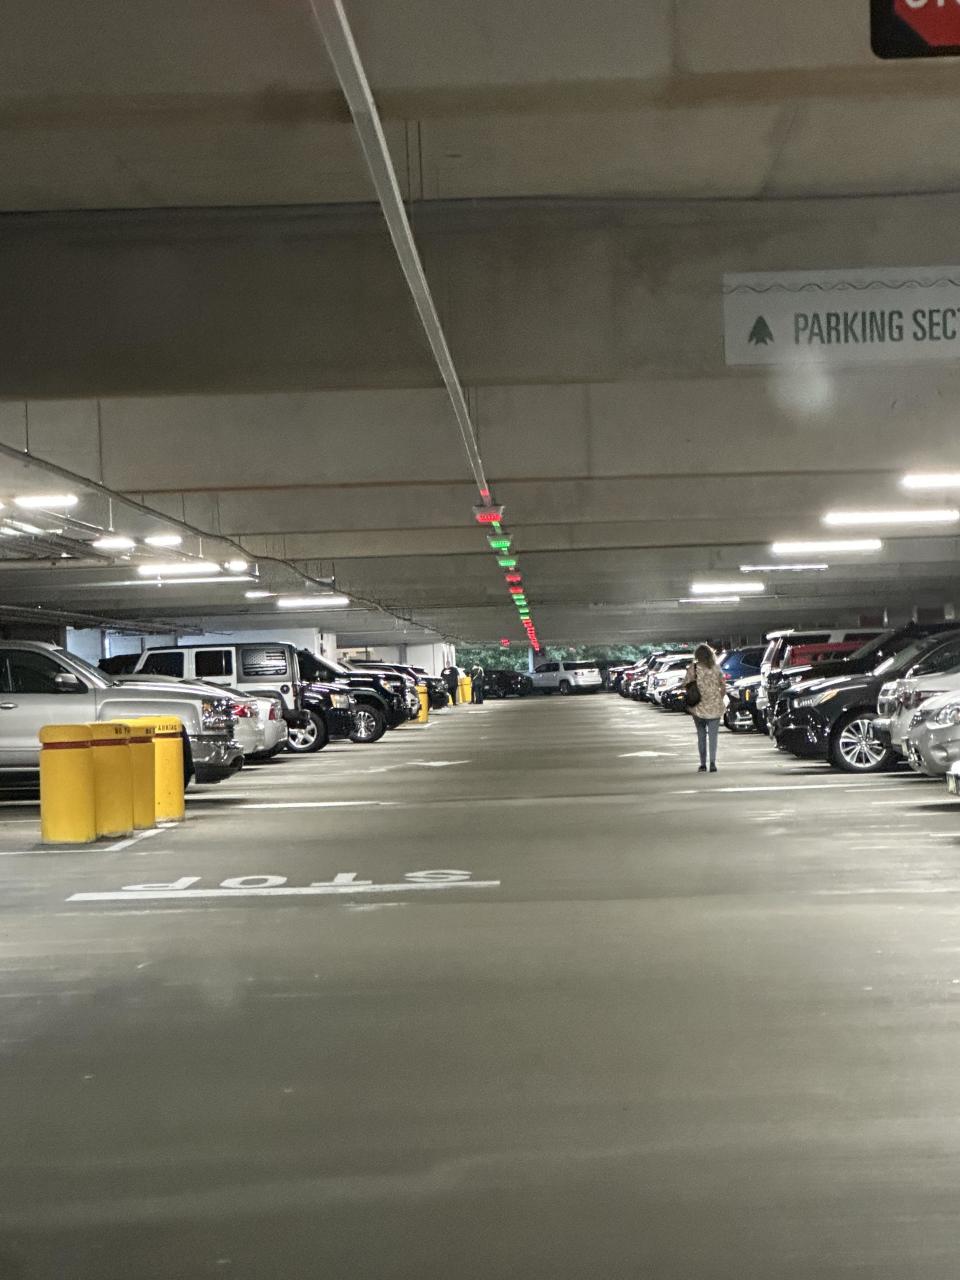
831 718
864 659
501 682
329 713
380 702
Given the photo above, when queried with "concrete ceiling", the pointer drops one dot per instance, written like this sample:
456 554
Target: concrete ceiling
579 179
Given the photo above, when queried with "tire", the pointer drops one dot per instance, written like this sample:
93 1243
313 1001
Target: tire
371 724
306 739
187 760
851 748
565 687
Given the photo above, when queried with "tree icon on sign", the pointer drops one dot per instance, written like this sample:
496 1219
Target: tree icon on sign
761 333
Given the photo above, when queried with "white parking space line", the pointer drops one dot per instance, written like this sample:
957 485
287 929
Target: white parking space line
318 804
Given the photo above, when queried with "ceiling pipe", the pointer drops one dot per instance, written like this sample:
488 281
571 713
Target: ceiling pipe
338 38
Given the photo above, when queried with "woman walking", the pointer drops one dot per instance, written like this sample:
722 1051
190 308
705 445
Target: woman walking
705 677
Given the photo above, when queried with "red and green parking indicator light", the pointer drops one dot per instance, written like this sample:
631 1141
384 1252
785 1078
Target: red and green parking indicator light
499 544
506 562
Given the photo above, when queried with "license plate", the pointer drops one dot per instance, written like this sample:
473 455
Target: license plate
747 695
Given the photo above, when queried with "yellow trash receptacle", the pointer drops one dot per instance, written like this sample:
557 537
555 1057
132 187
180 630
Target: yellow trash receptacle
169 804
67 810
423 693
144 774
112 778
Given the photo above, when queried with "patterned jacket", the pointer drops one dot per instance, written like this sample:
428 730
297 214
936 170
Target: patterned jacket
712 687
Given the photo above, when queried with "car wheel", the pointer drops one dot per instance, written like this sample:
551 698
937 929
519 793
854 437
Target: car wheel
565 686
370 725
853 750
303 740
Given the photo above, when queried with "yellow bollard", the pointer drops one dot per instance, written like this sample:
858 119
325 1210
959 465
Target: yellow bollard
144 774
112 779
423 693
67 812
468 688
168 766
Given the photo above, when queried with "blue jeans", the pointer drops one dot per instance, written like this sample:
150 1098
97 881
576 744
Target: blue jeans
707 729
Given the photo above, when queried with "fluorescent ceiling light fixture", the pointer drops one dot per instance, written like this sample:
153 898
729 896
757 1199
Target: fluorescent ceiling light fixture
932 480
46 501
236 566
113 542
781 568
259 595
723 588
313 602
22 527
164 540
178 569
919 515
184 582
12 533
826 546
711 600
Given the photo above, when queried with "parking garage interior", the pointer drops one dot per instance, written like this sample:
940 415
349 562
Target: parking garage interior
504 350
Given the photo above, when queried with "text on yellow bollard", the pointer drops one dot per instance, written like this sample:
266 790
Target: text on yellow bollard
169 803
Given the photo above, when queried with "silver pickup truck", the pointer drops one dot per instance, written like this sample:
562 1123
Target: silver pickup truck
41 684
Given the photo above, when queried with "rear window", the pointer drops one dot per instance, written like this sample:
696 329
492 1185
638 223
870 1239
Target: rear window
212 662
264 660
579 666
163 663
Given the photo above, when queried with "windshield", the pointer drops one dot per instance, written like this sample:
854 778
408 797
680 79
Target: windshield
902 657
99 678
882 646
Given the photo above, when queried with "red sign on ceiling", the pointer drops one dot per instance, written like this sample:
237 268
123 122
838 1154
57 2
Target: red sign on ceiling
915 28
937 22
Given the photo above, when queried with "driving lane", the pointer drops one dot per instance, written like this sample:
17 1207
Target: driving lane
516 993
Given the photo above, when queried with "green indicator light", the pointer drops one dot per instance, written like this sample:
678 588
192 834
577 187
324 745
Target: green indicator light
499 544
506 562
520 599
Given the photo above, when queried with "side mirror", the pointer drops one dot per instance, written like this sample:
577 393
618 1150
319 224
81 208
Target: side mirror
67 682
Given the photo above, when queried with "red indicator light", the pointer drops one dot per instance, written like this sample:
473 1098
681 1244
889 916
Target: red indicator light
516 591
488 517
513 577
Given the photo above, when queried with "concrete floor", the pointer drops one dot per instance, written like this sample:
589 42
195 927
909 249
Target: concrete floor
672 1026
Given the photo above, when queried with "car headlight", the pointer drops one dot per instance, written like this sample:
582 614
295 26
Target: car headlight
948 715
340 699
817 699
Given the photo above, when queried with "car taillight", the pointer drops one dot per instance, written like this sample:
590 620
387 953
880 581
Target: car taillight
241 710
274 711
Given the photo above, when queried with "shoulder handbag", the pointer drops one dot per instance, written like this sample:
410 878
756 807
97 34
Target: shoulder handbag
691 695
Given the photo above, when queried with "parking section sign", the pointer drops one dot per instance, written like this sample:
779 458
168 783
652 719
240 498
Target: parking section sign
884 315
915 28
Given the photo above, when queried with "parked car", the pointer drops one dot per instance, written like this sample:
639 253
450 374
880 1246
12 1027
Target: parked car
865 659
831 719
566 677
667 676
501 682
41 684
740 713
258 723
436 685
393 678
611 675
900 701
933 739
737 664
775 671
262 668
380 699
331 714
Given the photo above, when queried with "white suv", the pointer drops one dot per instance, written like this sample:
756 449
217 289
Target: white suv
567 677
